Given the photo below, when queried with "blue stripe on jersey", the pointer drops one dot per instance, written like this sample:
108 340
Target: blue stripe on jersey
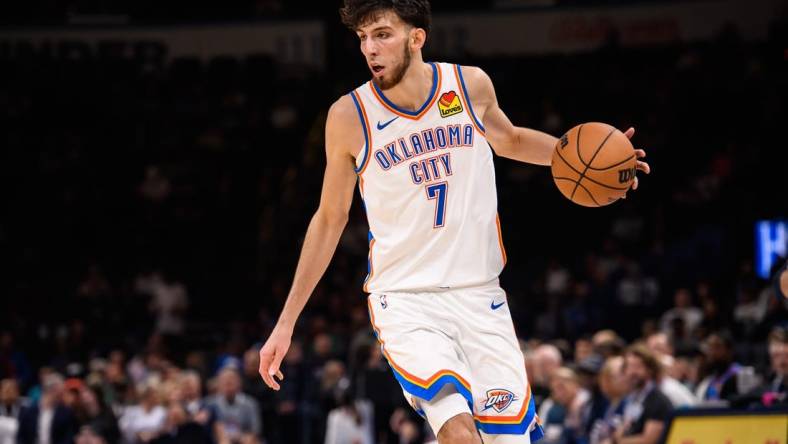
364 129
424 105
467 97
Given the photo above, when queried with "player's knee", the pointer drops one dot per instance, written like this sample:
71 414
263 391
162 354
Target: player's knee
459 430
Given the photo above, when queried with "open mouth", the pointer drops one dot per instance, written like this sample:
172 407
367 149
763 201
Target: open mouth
377 69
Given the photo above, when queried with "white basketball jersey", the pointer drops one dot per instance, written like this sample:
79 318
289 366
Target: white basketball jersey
428 185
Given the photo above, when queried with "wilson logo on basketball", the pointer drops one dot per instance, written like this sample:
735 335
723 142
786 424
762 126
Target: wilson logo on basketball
498 399
564 141
449 104
626 175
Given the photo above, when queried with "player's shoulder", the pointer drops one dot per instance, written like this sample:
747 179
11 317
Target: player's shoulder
473 74
343 114
343 121
343 109
477 82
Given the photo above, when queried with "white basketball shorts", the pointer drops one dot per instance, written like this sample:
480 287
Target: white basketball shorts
462 337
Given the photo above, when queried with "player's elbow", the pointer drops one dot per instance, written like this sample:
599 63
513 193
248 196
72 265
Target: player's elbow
504 144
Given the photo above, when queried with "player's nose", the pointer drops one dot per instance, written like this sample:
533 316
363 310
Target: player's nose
369 48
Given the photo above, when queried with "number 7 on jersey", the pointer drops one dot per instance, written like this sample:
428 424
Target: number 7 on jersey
437 191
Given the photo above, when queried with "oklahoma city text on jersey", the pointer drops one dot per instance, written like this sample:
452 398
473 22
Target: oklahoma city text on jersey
420 144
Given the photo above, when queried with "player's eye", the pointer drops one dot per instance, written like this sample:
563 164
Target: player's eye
383 35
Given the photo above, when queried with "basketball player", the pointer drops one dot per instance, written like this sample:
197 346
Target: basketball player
415 138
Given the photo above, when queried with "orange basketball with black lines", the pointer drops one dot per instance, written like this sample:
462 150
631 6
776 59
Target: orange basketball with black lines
593 164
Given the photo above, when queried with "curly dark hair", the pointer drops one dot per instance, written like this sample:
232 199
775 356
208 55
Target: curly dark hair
357 13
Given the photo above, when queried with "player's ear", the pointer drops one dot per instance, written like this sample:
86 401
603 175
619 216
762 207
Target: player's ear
418 37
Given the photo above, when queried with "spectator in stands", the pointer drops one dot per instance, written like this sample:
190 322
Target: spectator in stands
566 390
374 382
713 320
87 435
191 392
254 386
682 309
607 343
680 396
614 387
720 370
686 367
350 422
647 409
96 415
588 373
546 359
774 391
179 429
10 407
237 414
48 421
583 349
749 312
781 282
169 301
142 422
290 397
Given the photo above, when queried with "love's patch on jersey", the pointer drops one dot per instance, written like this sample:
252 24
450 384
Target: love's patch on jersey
498 399
449 104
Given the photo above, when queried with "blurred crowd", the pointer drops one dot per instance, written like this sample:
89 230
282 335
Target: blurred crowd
610 391
595 390
156 210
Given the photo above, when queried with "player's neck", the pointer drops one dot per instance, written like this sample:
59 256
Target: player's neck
414 88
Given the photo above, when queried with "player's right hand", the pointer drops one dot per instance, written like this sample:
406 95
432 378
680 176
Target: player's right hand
271 355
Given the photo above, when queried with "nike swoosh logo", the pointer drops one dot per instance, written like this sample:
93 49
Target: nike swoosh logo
380 127
495 306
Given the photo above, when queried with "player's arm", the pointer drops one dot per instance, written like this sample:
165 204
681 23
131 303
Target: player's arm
514 142
343 130
517 143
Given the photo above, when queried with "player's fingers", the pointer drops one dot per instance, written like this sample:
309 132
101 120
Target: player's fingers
265 363
266 377
630 132
639 153
635 183
643 166
273 369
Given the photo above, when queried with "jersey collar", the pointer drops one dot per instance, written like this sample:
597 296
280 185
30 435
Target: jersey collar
414 115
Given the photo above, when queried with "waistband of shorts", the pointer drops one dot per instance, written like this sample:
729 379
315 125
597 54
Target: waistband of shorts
494 283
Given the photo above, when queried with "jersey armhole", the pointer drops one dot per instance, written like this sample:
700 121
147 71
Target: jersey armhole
362 115
464 92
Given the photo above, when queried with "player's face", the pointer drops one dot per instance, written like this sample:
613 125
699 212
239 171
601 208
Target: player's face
384 43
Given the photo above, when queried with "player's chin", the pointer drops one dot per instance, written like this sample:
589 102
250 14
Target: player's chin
381 82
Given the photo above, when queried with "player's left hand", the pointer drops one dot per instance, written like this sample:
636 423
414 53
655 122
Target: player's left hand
641 166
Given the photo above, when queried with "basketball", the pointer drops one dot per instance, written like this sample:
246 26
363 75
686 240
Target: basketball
593 164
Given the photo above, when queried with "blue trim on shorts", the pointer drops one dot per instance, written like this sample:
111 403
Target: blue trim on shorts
428 393
491 429
515 429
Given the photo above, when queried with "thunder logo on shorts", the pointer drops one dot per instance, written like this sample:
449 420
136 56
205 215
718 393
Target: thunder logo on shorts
498 399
